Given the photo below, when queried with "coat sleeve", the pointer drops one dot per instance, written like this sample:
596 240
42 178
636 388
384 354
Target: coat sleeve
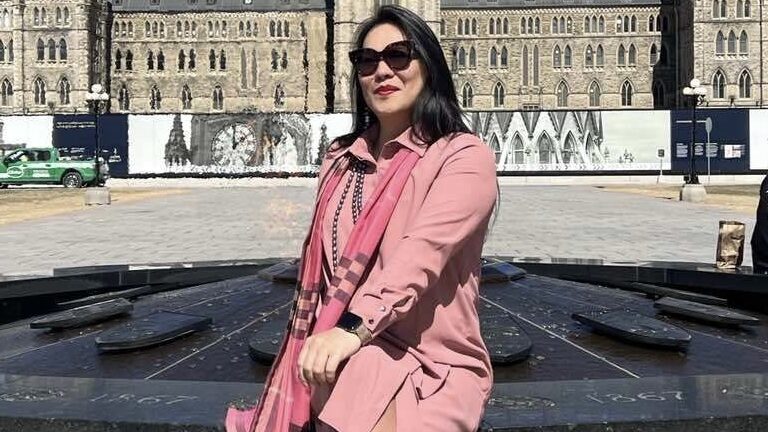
459 203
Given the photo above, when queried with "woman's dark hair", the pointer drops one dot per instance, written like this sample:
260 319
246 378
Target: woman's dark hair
437 112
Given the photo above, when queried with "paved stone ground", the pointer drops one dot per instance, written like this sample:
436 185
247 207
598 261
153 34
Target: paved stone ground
229 223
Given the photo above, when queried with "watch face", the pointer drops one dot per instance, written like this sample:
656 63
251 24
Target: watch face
234 145
349 321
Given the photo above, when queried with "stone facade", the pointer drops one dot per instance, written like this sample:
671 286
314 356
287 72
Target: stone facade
44 54
728 51
202 56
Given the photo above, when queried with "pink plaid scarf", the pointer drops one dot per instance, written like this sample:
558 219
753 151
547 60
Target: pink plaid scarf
284 405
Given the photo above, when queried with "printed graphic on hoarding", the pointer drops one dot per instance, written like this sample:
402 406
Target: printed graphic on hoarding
721 145
758 139
230 143
75 137
574 140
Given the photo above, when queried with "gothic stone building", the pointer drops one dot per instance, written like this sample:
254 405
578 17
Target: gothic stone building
201 56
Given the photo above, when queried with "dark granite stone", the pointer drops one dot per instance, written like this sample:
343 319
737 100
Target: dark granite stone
84 315
286 272
507 343
704 312
154 329
634 327
268 334
98 298
495 271
660 291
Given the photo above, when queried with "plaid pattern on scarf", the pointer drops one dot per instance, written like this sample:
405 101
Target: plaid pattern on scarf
284 405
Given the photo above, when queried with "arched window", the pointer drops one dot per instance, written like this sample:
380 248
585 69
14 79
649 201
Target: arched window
474 26
39 90
589 57
123 99
462 58
626 94
506 25
715 8
720 43
493 58
562 93
64 90
279 96
743 43
51 50
155 98
498 95
182 60
731 42
594 94
601 25
160 60
561 30
556 57
622 56
535 65
745 85
272 28
504 57
491 26
651 22
739 8
747 9
2 51
654 55
537 25
6 93
150 60
632 55
524 65
466 96
546 150
178 29
586 25
718 85
594 24
10 51
518 150
222 60
186 98
626 24
600 56
569 149
472 57
531 30
118 59
218 98
555 28
723 9
58 16
191 63
522 25
634 24
496 148
129 60
62 49
567 57
36 20
66 19
212 60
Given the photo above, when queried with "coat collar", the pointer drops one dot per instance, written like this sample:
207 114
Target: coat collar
361 146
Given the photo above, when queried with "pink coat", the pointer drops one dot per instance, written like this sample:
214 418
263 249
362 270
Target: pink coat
420 298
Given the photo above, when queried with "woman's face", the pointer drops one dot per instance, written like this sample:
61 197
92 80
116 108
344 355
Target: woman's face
391 93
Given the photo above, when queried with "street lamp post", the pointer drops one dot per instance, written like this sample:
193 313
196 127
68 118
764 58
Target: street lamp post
97 97
692 190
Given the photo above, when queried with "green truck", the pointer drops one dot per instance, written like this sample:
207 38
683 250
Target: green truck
47 166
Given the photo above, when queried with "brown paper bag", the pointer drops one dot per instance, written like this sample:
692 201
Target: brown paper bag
730 245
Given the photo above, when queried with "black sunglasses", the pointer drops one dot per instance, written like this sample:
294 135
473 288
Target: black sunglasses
397 56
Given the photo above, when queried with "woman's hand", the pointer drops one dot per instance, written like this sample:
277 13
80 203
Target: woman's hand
321 354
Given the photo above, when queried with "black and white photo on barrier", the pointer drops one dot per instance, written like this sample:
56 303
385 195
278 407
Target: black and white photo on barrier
223 143
574 140
26 131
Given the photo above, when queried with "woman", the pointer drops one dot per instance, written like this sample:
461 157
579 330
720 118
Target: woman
385 336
